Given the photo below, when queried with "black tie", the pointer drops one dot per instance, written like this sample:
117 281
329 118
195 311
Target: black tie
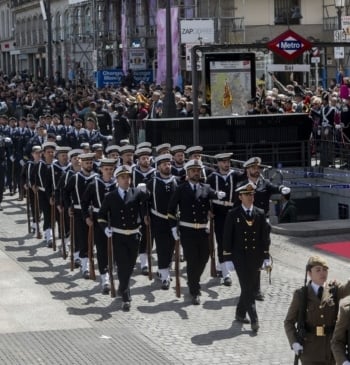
125 194
195 188
320 292
248 212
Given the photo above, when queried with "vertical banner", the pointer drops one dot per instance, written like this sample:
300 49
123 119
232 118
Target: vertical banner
161 45
124 38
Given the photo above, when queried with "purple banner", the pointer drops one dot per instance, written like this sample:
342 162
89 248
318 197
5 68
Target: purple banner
161 44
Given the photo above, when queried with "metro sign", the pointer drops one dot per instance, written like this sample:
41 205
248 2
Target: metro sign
289 45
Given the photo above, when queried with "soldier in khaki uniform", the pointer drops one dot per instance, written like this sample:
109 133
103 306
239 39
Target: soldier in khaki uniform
340 342
320 299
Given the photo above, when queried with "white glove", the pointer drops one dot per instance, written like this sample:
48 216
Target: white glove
175 234
221 194
285 190
22 163
108 232
346 362
8 140
338 126
58 138
12 158
297 348
142 187
229 266
109 138
266 263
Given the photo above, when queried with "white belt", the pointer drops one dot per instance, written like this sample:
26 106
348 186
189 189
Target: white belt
76 206
126 232
158 214
223 202
193 225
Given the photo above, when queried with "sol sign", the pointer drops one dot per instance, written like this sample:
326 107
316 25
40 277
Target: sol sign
289 45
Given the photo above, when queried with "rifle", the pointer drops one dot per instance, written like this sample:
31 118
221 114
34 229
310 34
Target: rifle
71 233
110 259
62 233
37 214
149 246
28 212
53 222
177 269
212 248
91 250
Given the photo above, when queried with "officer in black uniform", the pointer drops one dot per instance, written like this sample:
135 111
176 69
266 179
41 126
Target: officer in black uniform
192 200
143 172
73 194
161 188
90 205
246 248
223 179
120 216
39 182
104 119
264 190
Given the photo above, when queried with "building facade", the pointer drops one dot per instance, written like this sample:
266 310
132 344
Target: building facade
90 35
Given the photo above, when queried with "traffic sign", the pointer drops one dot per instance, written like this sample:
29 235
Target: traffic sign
289 45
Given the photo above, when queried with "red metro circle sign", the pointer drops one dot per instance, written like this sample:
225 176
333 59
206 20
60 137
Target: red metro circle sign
289 45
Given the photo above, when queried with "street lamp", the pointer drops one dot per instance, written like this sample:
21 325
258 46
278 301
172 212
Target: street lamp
169 107
339 4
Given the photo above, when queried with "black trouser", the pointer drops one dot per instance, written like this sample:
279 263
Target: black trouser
125 251
247 267
10 170
257 288
165 243
219 222
195 244
2 179
80 234
45 207
101 247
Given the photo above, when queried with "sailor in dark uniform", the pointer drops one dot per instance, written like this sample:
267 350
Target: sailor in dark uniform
39 181
161 188
90 204
5 145
54 173
246 248
127 155
223 179
26 174
74 167
143 172
178 162
97 149
192 200
125 207
112 151
195 153
77 135
73 193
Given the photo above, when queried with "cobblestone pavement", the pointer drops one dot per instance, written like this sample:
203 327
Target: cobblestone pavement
159 329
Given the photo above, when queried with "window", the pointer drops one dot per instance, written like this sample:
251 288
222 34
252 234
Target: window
287 12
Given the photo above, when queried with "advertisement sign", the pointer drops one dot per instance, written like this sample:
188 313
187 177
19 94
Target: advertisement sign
137 59
114 77
230 82
197 31
189 58
345 26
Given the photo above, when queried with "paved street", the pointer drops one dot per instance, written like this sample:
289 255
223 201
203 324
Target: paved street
50 315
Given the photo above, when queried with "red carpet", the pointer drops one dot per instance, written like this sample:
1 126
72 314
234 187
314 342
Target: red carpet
338 248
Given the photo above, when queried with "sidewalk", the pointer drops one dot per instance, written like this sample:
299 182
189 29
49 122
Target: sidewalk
50 315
